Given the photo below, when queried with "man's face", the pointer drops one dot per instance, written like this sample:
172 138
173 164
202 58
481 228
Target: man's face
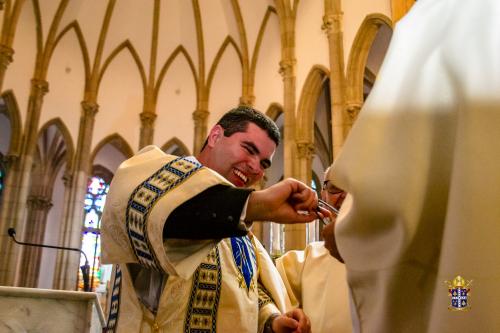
332 194
242 157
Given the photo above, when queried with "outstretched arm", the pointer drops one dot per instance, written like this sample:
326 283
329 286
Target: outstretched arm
288 201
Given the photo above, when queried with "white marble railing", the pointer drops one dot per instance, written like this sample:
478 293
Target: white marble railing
45 310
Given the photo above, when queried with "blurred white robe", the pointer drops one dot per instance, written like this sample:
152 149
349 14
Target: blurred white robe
316 282
422 166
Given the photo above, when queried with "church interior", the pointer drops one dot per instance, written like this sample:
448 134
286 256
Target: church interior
85 84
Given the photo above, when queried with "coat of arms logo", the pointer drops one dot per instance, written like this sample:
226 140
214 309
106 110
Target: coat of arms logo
459 291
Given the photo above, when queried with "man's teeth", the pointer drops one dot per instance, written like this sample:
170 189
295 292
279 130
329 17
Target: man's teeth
241 175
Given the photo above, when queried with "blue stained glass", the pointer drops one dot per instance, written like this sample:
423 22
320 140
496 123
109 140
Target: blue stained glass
94 202
2 177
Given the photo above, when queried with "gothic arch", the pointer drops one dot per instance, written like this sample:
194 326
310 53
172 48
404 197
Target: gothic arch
274 111
179 51
359 55
180 150
70 149
307 102
270 10
54 148
11 110
75 27
126 45
116 141
228 41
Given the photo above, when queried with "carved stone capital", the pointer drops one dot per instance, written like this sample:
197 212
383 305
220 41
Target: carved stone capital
67 178
287 68
305 150
352 109
332 23
39 202
199 116
6 54
247 100
89 108
148 119
40 87
10 160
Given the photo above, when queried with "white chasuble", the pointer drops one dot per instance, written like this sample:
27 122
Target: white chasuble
212 286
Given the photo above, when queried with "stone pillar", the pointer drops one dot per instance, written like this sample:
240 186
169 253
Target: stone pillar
296 234
147 128
13 213
6 53
287 71
67 262
332 26
200 129
38 209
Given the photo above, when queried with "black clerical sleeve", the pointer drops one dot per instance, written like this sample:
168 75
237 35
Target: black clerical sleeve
212 214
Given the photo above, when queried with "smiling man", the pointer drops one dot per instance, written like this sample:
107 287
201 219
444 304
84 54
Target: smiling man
178 229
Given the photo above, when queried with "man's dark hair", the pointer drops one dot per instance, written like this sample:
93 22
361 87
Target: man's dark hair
236 120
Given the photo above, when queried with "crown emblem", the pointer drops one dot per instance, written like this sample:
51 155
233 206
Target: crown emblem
459 291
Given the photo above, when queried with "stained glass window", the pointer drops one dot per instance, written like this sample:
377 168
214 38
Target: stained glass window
2 175
99 275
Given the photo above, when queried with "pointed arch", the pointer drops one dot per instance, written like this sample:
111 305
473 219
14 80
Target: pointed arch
70 149
11 110
274 111
359 55
228 41
126 45
270 10
181 149
307 102
180 50
117 141
75 27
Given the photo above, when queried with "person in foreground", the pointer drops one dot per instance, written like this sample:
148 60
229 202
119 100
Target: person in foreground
419 229
177 228
306 273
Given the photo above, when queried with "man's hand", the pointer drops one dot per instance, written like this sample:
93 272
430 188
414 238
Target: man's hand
328 234
294 321
288 201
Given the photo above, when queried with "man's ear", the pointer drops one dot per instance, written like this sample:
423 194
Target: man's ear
215 135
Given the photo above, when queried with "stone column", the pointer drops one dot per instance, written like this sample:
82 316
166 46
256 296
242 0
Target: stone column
200 129
38 209
147 128
67 262
332 26
296 234
13 213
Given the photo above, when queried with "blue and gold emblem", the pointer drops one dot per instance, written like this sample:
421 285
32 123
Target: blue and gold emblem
459 291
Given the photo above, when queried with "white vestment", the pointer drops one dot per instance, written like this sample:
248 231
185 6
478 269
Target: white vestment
316 282
212 286
422 166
